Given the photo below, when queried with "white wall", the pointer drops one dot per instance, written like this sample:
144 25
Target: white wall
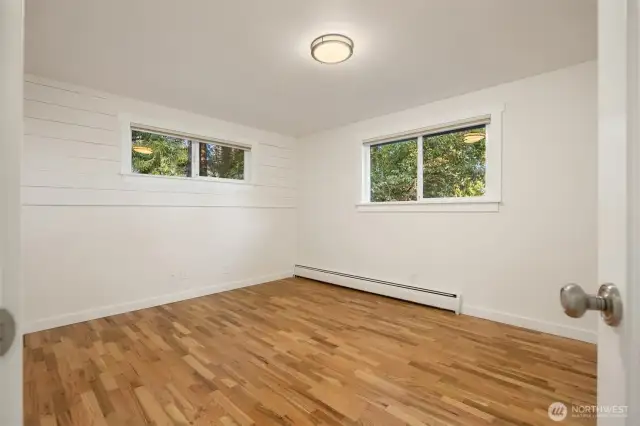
509 265
97 242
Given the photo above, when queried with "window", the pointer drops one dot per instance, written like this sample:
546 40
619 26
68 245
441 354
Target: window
458 162
394 171
454 163
159 153
156 154
221 161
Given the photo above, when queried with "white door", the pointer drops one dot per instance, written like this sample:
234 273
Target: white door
11 134
618 202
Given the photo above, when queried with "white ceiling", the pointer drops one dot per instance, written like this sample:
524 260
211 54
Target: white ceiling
248 61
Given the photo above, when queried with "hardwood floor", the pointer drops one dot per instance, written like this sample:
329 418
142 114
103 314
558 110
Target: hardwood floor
298 352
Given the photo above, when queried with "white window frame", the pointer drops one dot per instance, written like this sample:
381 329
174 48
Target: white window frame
127 126
489 202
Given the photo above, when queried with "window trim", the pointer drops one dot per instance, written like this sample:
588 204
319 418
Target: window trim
128 125
489 202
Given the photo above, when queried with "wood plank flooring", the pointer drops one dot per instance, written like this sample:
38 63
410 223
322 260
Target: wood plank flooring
298 352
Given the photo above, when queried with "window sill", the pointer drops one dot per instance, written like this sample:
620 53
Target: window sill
433 205
186 179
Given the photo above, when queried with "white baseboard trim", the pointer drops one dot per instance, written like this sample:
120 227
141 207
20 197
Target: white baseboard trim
105 311
590 336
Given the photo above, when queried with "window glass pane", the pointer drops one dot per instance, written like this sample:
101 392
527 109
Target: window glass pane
455 163
221 161
394 171
154 154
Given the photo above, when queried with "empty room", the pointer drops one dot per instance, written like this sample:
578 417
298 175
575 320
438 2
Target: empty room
292 212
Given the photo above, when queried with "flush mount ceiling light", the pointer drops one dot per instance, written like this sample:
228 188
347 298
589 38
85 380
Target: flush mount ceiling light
332 48
143 150
473 137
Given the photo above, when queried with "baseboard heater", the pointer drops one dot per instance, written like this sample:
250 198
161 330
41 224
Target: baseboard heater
435 298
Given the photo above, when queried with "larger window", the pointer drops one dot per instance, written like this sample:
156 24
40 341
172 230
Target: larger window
160 153
448 163
394 171
454 163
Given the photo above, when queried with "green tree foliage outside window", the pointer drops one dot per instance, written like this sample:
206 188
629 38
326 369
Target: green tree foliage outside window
221 161
154 154
454 165
394 171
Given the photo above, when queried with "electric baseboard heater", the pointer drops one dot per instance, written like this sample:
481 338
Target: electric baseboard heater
439 299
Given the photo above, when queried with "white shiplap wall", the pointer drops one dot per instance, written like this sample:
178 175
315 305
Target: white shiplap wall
97 242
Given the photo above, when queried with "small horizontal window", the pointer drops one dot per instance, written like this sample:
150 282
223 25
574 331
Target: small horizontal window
155 154
221 161
170 154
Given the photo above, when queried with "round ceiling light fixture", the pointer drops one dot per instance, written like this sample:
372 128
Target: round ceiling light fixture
332 48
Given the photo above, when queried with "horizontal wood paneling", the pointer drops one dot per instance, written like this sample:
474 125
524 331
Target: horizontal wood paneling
55 94
64 114
281 162
91 258
281 144
45 146
42 162
168 186
72 132
271 151
73 140
98 240
34 196
278 181
277 172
